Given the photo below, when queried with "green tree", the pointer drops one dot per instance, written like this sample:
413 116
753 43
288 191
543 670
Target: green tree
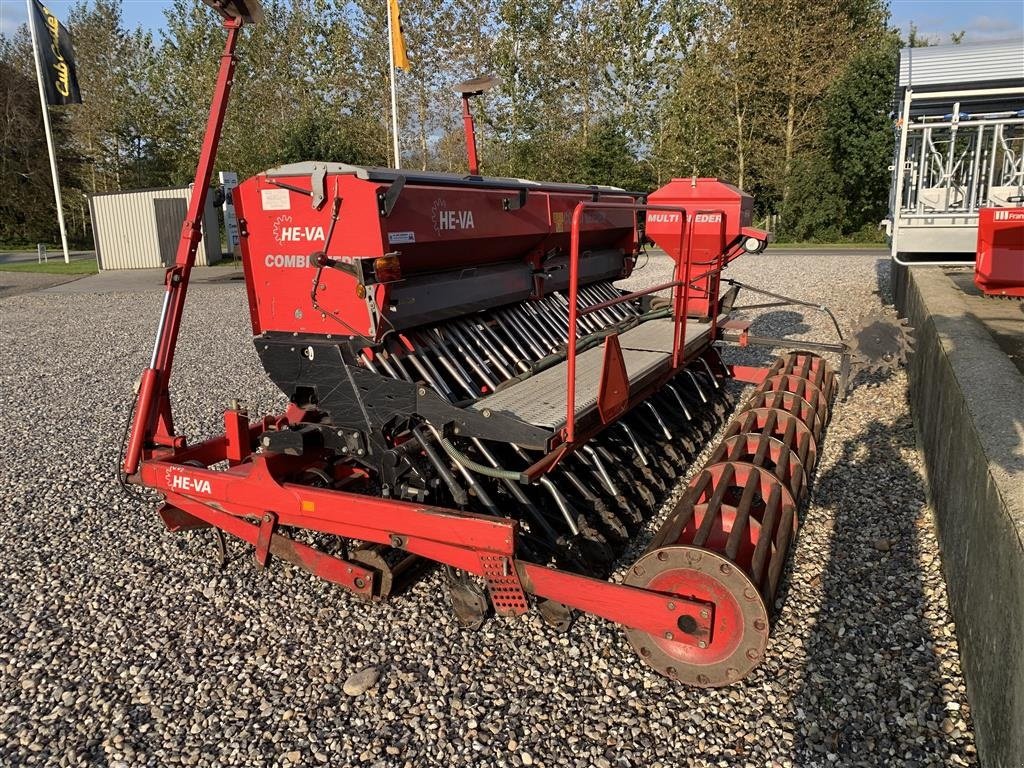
115 128
27 213
857 135
607 159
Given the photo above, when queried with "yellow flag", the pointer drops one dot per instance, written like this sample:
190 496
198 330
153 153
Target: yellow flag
399 58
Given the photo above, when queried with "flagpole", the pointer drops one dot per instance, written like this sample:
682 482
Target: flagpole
49 131
394 92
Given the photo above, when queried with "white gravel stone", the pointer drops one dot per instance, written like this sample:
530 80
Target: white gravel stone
362 681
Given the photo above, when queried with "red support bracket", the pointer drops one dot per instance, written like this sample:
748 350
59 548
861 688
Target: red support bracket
152 422
742 327
264 538
748 373
237 436
613 389
349 575
178 520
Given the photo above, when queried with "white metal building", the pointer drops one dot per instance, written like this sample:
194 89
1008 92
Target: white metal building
960 145
141 229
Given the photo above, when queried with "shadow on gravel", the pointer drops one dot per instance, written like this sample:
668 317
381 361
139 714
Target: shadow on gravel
883 277
872 691
779 321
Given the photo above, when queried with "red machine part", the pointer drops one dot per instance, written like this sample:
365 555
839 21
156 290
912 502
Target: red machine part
727 540
718 223
999 269
696 606
420 223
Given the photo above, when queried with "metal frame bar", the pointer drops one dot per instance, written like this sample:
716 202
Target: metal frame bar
232 499
152 420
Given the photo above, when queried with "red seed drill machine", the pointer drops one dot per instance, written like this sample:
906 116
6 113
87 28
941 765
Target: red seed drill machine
467 386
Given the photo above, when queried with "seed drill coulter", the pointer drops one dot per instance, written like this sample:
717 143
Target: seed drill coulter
469 387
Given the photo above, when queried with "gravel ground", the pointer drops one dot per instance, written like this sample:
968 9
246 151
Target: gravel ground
123 645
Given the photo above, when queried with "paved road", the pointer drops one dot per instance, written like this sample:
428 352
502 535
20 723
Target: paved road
868 250
13 257
143 280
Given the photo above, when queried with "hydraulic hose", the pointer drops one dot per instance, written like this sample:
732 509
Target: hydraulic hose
480 469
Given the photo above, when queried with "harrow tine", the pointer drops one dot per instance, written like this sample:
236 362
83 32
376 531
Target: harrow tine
711 375
696 385
517 493
537 331
458 492
365 359
657 418
544 323
483 345
518 355
424 371
679 398
527 338
474 485
604 314
433 375
394 353
452 366
470 356
641 456
560 502
606 519
601 471
387 363
496 342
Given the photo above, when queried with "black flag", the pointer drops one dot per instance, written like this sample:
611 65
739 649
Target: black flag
57 58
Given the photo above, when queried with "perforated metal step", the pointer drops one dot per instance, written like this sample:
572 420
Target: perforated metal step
646 352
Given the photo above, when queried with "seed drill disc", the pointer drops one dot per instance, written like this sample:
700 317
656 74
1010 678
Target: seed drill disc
739 632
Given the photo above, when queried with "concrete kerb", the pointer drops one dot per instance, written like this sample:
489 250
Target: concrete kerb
967 399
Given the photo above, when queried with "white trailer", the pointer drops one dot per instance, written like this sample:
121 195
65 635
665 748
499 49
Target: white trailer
959 146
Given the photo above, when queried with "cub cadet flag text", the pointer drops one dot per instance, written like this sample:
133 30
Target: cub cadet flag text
57 58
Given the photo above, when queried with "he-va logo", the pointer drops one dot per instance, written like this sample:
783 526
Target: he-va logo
286 232
445 220
177 481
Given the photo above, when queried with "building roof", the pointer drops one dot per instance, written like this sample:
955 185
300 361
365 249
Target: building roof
990 64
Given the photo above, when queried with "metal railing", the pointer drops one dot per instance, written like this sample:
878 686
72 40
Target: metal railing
951 162
680 293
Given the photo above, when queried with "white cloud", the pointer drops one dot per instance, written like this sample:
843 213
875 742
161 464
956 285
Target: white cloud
981 28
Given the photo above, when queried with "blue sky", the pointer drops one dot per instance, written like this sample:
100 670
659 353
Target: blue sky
980 19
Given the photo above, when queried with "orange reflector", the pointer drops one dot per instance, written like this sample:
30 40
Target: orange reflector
308 506
361 291
387 269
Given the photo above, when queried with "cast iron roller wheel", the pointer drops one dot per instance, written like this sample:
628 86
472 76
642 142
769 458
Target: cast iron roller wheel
739 632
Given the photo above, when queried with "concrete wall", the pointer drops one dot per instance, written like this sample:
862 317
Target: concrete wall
967 399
